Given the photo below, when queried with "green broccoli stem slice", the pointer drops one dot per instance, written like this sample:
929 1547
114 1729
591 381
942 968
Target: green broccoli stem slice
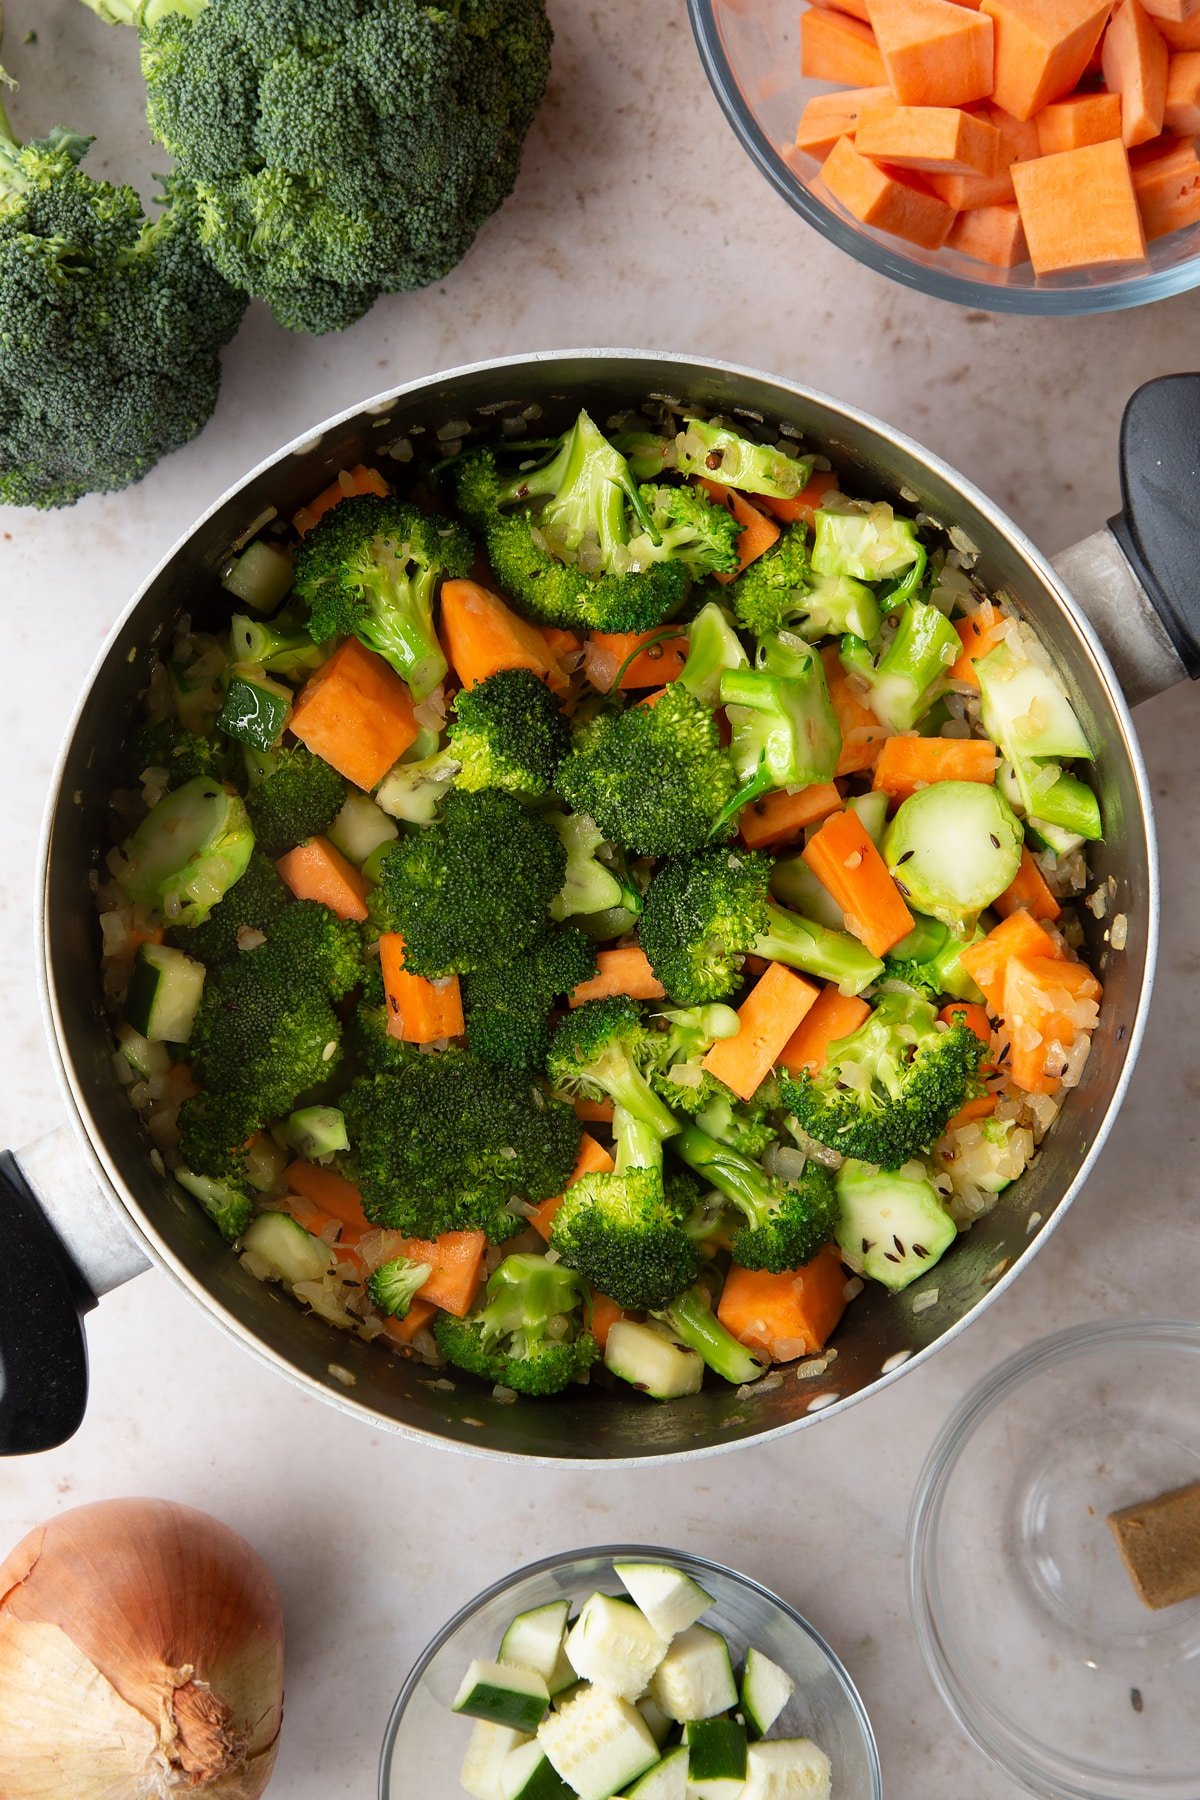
817 950
742 1181
587 486
785 731
910 672
639 1145
713 649
692 1320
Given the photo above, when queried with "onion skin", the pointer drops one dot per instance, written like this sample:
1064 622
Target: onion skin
145 1631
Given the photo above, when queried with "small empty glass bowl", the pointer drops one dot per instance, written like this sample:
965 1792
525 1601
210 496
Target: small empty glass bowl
424 1744
751 54
1025 1613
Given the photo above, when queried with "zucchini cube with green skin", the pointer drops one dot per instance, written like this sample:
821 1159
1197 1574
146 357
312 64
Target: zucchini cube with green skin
187 852
315 1131
290 1253
598 1743
528 1774
534 1640
787 1769
716 1759
361 829
488 1749
150 1061
766 1690
694 1680
667 1780
670 1599
256 708
261 577
893 1224
615 1646
503 1694
165 988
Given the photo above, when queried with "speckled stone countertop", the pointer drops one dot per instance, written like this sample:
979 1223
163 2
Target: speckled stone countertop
637 221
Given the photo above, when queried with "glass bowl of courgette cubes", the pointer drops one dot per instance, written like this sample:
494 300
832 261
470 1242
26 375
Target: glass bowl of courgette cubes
628 1671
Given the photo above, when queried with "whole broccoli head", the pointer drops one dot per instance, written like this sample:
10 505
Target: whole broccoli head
787 1222
252 904
558 536
702 914
292 796
528 1332
472 888
265 1033
509 732
340 149
623 1230
887 1091
507 1004
369 569
447 1141
654 778
111 326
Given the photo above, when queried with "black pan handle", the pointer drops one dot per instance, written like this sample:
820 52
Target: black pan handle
1159 525
43 1353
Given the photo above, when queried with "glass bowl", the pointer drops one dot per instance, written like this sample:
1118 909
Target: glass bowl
1023 1608
751 54
423 1735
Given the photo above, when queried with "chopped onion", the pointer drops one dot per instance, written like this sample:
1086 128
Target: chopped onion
141 1653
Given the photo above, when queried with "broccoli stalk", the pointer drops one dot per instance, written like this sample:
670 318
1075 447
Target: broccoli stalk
887 1091
620 1229
714 451
528 1334
591 886
786 1222
713 648
370 568
280 645
869 543
785 731
394 1285
781 591
693 1321
911 673
596 1054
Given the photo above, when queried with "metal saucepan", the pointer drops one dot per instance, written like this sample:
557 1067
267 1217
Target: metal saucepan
84 1210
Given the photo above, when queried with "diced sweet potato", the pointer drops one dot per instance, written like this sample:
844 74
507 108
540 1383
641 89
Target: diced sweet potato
991 234
934 52
1182 110
1134 60
939 139
1079 209
1042 48
1018 143
891 200
1166 180
1079 119
828 117
835 47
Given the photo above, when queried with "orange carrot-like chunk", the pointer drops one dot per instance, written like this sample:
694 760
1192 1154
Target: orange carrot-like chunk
419 1011
1018 142
934 53
1166 180
633 659
1043 1000
785 1316
1019 935
767 1019
1134 59
1042 48
358 480
625 970
318 871
1182 110
893 201
356 714
778 818
835 47
979 635
970 1014
825 119
844 859
1028 889
403 1331
862 733
1077 120
908 763
335 1196
484 636
1079 208
593 1159
943 139
990 234
603 1314
812 496
833 1015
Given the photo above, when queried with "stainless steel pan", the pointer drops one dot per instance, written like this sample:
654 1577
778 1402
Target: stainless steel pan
84 1210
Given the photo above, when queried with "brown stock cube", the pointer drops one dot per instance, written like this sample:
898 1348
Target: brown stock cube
1159 1541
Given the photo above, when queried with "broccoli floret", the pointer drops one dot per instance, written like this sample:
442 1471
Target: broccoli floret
676 1050
786 1222
785 731
292 796
395 1285
654 778
713 647
328 949
340 149
264 1032
507 1005
111 325
686 526
472 888
620 1230
745 1125
780 591
558 535
182 753
528 1334
213 1132
887 1091
911 672
704 913
597 1053
253 903
369 569
509 732
444 1143
933 963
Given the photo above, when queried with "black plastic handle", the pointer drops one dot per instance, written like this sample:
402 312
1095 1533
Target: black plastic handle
1159 527
43 1353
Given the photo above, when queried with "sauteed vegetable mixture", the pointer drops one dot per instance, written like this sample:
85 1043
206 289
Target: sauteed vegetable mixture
594 910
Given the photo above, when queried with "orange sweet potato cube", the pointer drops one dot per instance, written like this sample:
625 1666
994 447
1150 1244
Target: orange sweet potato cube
1079 119
890 199
1166 180
828 117
931 139
990 234
1042 49
835 47
1079 208
934 52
